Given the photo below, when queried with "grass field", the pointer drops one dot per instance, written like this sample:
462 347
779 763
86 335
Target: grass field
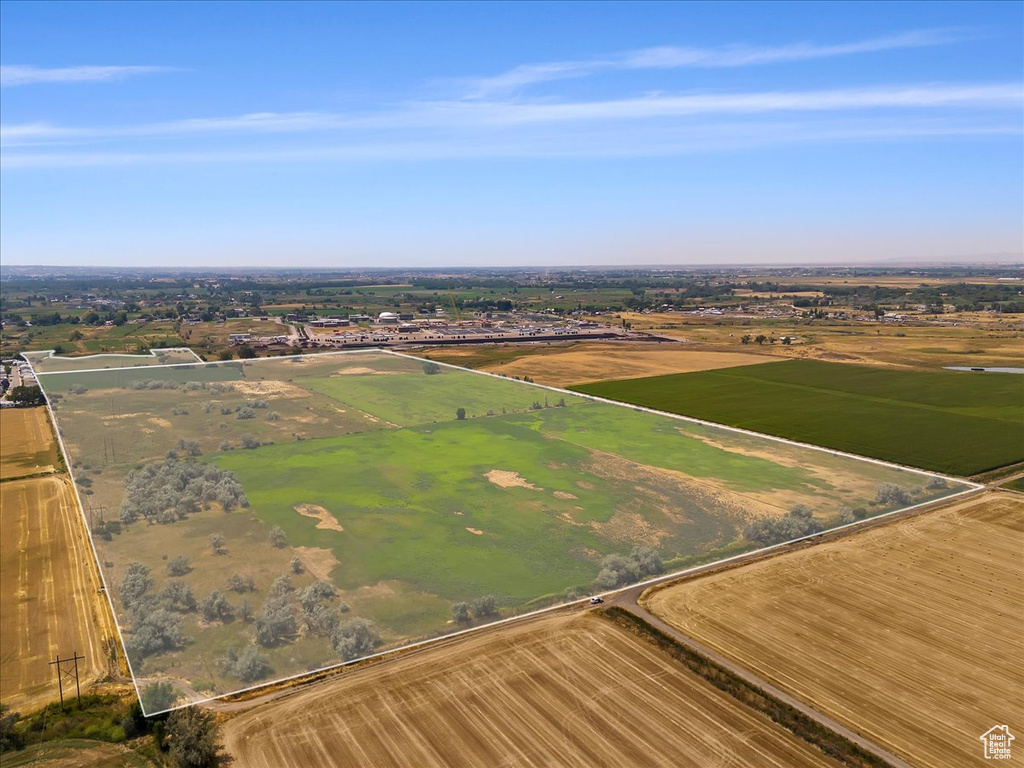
941 420
48 363
49 597
909 633
381 489
567 691
28 445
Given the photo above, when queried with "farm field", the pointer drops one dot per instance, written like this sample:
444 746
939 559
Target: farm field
908 633
393 499
82 339
49 595
943 421
563 690
562 366
46 362
979 339
28 447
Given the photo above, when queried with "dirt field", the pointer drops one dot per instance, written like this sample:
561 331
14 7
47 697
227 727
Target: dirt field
910 634
563 690
981 339
49 596
27 446
582 363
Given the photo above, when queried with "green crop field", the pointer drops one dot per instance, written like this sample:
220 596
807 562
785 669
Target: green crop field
945 421
391 490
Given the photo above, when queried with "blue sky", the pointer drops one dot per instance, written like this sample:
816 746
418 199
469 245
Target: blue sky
352 135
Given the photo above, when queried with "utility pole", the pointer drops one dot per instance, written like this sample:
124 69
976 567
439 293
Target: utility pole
65 669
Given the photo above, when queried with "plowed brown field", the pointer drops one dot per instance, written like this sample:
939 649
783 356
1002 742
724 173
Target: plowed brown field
27 446
911 634
562 690
49 596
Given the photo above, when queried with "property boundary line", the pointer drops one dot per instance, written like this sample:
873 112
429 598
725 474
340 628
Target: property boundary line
973 488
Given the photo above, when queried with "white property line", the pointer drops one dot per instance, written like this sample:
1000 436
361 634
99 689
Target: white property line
971 489
51 354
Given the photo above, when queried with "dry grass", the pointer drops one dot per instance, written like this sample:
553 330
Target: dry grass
49 592
562 690
27 446
978 339
578 364
910 633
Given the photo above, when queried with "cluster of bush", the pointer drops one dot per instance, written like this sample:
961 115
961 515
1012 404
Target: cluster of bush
485 607
168 491
215 388
154 384
154 627
616 570
799 521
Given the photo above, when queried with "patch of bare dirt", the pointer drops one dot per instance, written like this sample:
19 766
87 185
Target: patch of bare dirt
325 520
475 531
318 561
270 388
564 495
506 479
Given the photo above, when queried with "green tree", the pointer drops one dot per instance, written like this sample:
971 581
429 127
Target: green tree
460 613
26 395
158 697
277 537
192 734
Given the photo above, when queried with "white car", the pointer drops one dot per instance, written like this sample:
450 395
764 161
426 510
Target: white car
596 600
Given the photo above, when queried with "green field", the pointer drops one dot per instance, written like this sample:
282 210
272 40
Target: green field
405 508
943 421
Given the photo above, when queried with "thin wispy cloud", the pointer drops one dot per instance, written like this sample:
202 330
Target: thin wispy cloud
591 144
673 57
464 115
12 75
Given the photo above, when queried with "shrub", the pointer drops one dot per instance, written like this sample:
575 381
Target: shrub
460 613
276 622
890 494
798 522
354 638
179 566
485 606
277 537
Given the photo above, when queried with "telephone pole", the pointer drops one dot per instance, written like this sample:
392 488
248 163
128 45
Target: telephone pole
65 669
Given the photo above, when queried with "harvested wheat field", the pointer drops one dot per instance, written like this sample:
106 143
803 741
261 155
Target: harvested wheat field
558 365
562 690
27 446
911 634
49 593
598 362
